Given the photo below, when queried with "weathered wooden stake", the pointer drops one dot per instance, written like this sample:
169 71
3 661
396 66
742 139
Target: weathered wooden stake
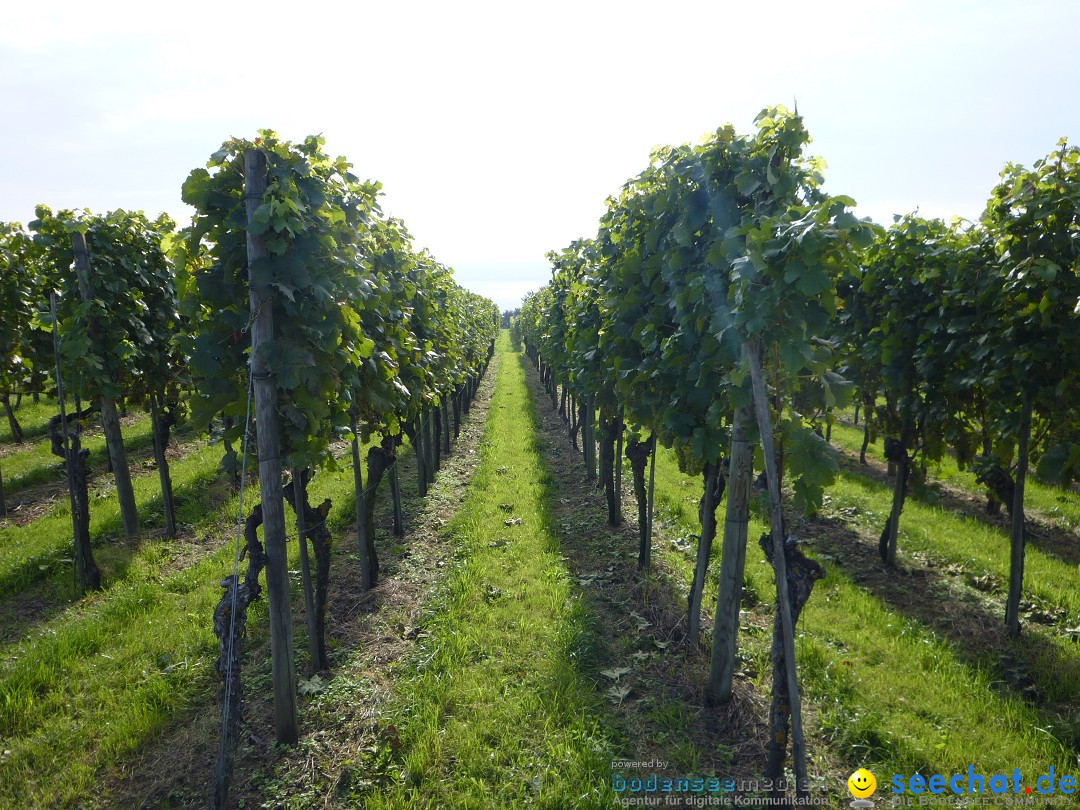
1016 535
732 560
761 408
712 491
299 502
366 579
161 422
268 435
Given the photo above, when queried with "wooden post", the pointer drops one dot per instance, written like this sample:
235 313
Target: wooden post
618 465
3 506
732 560
361 524
446 426
710 500
299 501
1016 535
783 596
652 487
268 435
161 430
395 494
429 448
110 421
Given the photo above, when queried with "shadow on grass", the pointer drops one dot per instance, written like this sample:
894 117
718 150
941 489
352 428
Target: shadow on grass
1033 667
360 624
33 427
39 588
48 480
638 622
1051 540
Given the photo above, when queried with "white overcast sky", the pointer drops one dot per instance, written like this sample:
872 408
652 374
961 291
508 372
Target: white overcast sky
498 129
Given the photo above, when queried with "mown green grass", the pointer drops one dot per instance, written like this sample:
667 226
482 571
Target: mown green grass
979 547
889 692
34 463
90 686
498 708
41 549
32 418
1054 503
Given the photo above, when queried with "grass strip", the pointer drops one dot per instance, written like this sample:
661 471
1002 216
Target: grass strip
499 707
1053 503
32 417
961 539
34 464
41 549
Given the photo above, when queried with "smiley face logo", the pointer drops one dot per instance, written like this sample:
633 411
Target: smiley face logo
862 784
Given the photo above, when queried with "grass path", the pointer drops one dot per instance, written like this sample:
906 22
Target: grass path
968 537
41 549
495 709
520 659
